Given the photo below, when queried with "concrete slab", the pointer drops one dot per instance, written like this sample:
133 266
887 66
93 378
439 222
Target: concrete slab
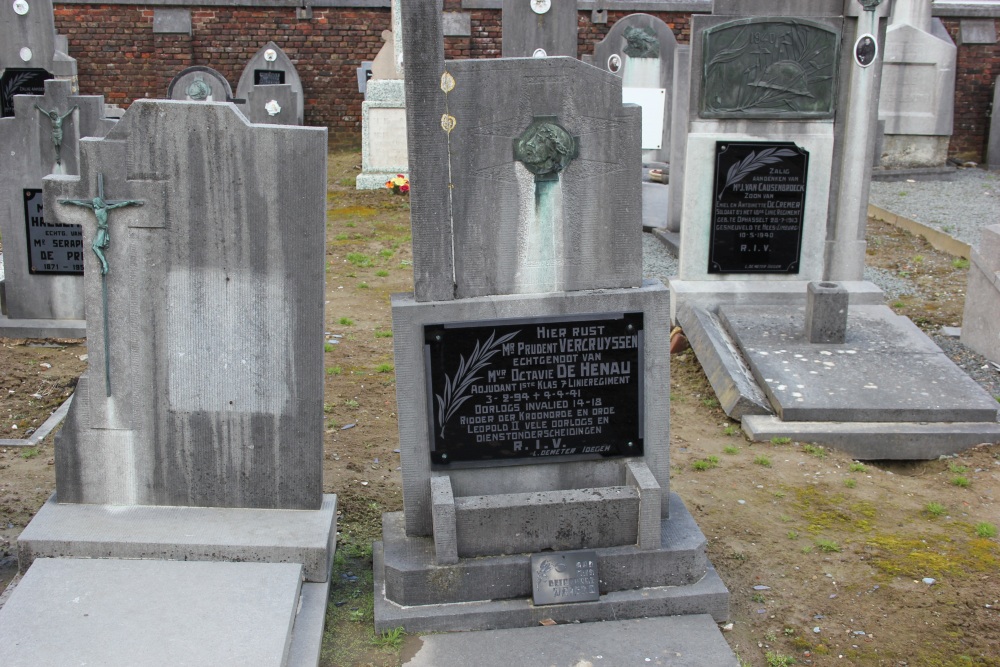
723 364
134 612
711 294
184 533
414 592
877 441
886 371
679 641
35 328
307 634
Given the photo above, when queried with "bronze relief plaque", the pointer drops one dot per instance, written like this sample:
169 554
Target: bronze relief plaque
769 68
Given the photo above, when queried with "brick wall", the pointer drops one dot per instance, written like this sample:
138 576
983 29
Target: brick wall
976 70
119 56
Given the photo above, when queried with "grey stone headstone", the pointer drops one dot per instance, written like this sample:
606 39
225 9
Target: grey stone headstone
31 34
271 61
993 146
29 155
214 309
678 129
200 84
981 320
525 31
654 72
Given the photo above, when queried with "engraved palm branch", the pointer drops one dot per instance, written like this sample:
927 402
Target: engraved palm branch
752 163
455 387
13 84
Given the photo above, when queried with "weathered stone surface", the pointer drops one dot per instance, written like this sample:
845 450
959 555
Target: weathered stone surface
270 64
158 613
383 134
215 313
887 370
26 142
524 31
981 320
680 104
34 30
826 312
691 641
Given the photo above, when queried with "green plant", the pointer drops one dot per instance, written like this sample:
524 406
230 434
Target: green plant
334 370
792 535
777 440
347 182
985 529
386 333
770 637
391 640
710 402
898 304
762 461
807 549
328 347
961 482
858 467
346 322
958 469
935 509
381 273
778 660
758 598
731 429
789 632
351 403
706 463
386 253
352 225
340 237
362 285
818 452
850 483
826 545
30 453
918 259
778 494
960 263
385 368
359 259
357 615
730 449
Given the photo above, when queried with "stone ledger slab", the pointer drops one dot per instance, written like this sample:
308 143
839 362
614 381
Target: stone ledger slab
152 613
679 641
886 371
187 533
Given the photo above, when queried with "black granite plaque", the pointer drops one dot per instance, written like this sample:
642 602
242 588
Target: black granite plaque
535 390
758 204
20 81
268 77
567 576
52 247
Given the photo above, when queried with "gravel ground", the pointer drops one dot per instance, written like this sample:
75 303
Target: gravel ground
959 208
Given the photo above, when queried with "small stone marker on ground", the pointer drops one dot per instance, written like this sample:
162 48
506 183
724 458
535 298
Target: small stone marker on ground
196 432
532 379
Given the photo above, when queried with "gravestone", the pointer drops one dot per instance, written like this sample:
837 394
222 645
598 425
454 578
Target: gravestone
981 321
200 84
918 88
539 28
383 114
640 49
678 129
532 383
272 88
772 250
43 259
760 130
196 433
30 52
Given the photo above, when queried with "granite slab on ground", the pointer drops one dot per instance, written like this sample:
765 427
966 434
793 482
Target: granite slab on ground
679 641
886 371
135 612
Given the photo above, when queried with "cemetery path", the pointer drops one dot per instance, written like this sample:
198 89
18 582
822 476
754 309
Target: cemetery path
823 557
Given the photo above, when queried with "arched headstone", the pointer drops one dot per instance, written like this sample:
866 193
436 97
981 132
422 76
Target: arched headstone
200 84
268 68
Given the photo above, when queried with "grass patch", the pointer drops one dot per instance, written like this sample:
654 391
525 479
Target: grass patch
780 440
935 509
986 530
850 483
858 467
385 368
391 640
359 259
383 333
731 429
762 461
960 263
730 449
351 403
932 555
345 322
710 402
30 452
778 659
827 546
381 273
961 482
706 463
362 285
957 468
334 370
328 347
813 450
